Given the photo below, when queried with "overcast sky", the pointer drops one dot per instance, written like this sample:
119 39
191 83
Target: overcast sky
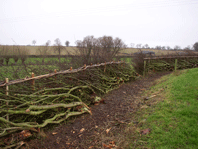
152 22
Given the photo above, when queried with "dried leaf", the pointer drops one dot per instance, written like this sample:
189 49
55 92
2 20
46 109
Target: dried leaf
107 146
96 126
25 133
102 101
96 103
90 147
107 131
54 133
112 142
79 108
28 110
146 131
82 130
144 107
124 92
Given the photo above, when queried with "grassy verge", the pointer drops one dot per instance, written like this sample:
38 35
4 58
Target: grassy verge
169 118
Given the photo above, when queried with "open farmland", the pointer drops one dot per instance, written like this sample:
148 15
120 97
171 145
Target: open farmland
131 51
33 50
71 50
43 63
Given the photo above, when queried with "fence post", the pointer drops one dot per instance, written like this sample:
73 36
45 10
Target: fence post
175 65
55 71
144 73
33 81
105 67
85 66
7 93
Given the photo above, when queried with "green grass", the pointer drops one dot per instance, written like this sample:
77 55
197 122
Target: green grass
20 72
174 122
35 60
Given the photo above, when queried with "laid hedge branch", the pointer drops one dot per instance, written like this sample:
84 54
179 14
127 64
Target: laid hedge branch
57 73
54 99
168 64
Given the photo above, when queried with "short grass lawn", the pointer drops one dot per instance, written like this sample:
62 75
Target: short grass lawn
173 120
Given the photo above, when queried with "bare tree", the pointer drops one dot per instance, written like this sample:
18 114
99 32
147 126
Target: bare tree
85 48
139 45
195 46
34 42
110 47
146 46
48 43
44 50
101 49
163 48
132 45
187 48
58 48
168 47
158 47
67 43
177 48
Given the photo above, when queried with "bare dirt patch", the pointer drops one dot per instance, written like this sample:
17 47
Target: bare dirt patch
105 127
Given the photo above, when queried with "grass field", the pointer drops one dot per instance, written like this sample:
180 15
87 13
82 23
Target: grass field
31 61
172 116
20 72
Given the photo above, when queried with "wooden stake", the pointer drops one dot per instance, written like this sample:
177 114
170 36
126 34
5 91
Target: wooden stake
33 81
55 71
105 67
144 73
85 66
7 93
175 65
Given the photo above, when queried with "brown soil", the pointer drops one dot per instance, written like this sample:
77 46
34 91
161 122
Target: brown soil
105 127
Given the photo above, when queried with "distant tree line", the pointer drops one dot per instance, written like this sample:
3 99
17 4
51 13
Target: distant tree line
158 47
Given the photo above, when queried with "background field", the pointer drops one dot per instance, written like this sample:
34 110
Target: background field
43 63
33 50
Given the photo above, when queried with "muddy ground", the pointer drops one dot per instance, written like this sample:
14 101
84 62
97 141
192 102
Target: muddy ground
106 127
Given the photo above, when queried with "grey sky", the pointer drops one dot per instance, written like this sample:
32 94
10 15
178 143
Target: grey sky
153 22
